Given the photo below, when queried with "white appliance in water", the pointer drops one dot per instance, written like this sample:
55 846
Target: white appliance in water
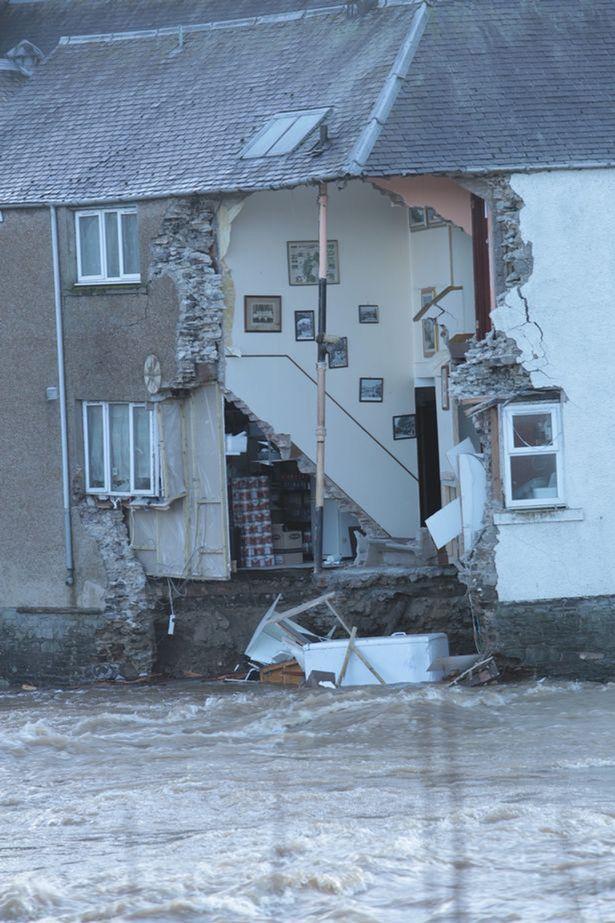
398 658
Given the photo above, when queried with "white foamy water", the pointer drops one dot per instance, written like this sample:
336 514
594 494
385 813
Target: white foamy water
225 804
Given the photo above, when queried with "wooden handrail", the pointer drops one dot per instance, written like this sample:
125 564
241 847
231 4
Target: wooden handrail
331 398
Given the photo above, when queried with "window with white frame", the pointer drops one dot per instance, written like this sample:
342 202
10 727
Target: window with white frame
107 245
120 449
533 455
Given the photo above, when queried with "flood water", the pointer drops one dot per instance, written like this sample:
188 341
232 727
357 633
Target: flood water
193 802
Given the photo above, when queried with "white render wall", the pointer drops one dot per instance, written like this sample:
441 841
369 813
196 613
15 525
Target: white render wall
373 240
569 217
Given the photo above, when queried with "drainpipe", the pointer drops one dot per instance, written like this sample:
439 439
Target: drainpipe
321 367
57 294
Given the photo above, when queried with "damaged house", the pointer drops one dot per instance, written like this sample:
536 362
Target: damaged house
163 173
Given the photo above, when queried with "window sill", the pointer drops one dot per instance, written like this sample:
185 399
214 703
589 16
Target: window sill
107 288
560 514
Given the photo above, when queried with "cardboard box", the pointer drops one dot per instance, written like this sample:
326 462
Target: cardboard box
286 541
284 558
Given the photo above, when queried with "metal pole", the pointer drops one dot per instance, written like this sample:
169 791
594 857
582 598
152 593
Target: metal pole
321 367
57 292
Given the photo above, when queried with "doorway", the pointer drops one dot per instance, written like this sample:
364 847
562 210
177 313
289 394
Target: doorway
430 491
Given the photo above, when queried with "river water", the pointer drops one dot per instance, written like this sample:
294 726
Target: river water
191 801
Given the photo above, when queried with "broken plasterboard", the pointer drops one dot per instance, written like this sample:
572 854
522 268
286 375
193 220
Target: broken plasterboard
473 487
446 524
462 448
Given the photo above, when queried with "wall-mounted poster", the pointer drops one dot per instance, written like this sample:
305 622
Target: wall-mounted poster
338 354
262 314
303 262
404 426
371 390
369 314
305 328
417 217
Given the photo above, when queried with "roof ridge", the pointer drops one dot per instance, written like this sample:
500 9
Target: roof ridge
263 19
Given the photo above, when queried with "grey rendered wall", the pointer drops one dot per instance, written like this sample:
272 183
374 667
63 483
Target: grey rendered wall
108 333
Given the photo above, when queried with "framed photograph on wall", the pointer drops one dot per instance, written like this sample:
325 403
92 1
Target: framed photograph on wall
404 426
371 390
434 220
417 217
305 326
430 336
369 314
262 313
444 382
303 262
338 354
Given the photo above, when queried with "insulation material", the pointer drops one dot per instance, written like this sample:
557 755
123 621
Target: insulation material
171 449
210 528
473 485
170 527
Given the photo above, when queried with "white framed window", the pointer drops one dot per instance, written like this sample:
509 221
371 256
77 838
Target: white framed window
533 455
107 245
121 455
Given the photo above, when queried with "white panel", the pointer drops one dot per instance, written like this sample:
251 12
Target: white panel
172 455
473 486
446 524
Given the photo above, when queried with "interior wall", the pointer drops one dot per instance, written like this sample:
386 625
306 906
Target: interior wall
374 262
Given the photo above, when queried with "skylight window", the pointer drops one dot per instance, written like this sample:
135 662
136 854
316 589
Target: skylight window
284 132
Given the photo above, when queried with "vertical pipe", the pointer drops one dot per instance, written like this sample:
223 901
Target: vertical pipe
57 294
321 367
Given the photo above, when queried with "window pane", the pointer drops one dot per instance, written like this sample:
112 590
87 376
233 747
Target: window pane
534 477
89 245
95 448
531 429
130 245
113 245
119 435
142 448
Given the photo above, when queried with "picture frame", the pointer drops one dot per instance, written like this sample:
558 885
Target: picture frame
417 217
404 426
305 326
444 384
262 313
338 354
371 390
429 328
303 258
369 314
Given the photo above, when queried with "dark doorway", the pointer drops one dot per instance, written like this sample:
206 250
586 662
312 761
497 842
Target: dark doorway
480 251
427 448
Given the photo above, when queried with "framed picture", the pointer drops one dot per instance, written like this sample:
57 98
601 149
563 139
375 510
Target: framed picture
444 376
417 217
404 426
434 220
371 390
369 314
430 336
262 313
338 354
303 262
305 325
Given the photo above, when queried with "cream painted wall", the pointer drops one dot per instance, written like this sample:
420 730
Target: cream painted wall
569 216
373 240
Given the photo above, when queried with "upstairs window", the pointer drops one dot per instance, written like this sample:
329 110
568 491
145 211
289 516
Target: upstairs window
107 245
120 449
533 455
284 132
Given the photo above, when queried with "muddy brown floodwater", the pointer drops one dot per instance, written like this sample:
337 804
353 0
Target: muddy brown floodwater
193 802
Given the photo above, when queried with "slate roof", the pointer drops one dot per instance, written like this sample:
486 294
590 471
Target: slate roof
43 22
504 85
135 118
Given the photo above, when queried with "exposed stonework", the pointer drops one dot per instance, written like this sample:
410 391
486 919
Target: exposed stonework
492 368
184 251
125 643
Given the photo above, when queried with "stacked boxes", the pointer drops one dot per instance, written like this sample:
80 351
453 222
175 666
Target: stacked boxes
287 545
252 515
